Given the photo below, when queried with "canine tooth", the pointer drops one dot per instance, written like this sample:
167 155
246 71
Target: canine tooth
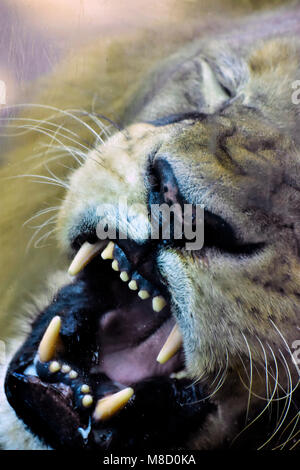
49 341
158 303
73 374
110 405
65 369
171 346
143 294
107 253
115 265
133 285
83 257
124 276
54 367
85 388
87 401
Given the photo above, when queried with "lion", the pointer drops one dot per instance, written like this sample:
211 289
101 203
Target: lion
128 341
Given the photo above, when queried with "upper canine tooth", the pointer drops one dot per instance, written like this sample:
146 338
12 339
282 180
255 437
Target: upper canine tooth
171 346
73 374
110 405
49 341
158 303
115 265
107 253
124 276
133 285
84 256
143 294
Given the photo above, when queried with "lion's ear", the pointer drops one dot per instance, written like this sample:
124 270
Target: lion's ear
224 76
214 93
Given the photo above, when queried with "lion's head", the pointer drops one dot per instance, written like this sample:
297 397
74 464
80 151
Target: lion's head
211 125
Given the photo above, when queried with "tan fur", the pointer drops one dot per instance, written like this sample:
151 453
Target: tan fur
233 306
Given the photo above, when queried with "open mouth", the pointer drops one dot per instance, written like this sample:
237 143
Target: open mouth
104 366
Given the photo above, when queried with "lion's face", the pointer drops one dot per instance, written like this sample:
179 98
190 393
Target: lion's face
235 301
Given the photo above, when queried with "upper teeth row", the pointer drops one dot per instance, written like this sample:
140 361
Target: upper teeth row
88 251
107 406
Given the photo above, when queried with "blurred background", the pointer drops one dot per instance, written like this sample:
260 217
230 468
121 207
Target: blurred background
36 34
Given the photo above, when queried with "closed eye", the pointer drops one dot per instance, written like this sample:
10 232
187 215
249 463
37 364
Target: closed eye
219 234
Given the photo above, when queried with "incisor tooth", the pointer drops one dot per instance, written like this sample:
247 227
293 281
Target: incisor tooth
85 388
73 374
143 294
158 303
65 369
54 367
87 401
50 339
84 256
133 285
115 265
107 253
124 276
171 346
110 405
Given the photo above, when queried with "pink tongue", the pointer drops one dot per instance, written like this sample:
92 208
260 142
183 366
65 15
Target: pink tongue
131 339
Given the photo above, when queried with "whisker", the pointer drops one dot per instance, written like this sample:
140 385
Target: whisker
39 228
286 407
44 237
41 212
251 377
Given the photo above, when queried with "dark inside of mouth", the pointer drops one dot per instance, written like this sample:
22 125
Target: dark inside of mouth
111 339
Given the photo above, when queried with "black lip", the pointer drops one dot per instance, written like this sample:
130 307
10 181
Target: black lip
162 413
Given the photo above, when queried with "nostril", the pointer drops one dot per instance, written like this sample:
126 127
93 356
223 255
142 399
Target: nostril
153 178
162 184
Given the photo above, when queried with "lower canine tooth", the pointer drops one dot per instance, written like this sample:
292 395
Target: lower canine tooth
84 256
158 303
124 276
143 294
110 405
107 253
65 369
171 346
50 339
